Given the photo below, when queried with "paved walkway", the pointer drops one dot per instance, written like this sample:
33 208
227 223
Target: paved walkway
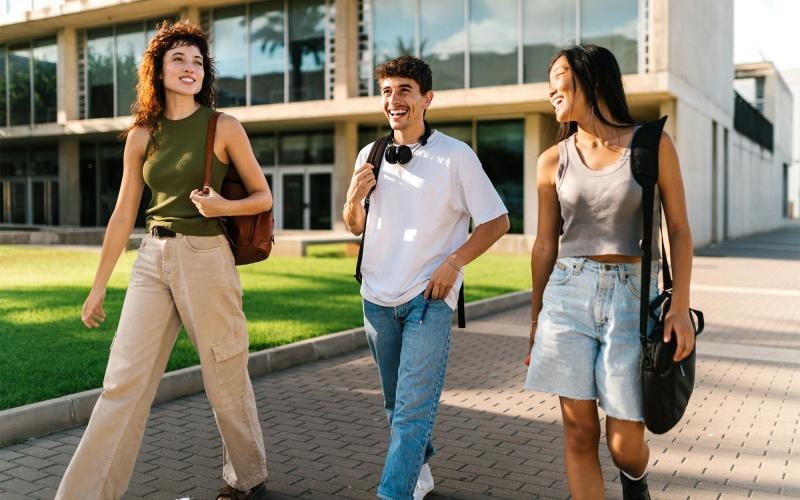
326 435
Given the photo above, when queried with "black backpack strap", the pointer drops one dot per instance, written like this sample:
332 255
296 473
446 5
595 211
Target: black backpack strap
644 166
462 319
375 157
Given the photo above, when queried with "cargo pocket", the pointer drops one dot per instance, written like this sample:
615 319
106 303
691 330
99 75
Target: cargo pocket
230 368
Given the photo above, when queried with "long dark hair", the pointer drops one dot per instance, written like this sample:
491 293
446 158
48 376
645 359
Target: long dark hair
150 94
596 72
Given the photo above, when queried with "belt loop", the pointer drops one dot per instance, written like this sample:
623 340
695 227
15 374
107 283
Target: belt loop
579 266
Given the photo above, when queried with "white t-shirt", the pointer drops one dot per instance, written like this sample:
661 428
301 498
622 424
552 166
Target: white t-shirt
419 214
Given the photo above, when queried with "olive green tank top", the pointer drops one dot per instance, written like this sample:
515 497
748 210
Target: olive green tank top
174 166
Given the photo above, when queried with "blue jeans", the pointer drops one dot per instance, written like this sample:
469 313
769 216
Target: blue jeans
412 361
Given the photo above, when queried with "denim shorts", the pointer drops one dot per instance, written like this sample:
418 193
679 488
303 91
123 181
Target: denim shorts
587 337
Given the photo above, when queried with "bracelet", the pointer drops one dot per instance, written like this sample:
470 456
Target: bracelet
451 265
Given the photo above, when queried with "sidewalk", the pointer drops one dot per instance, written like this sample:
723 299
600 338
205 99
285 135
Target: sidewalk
326 433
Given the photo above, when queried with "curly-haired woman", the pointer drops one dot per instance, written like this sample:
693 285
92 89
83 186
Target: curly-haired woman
184 275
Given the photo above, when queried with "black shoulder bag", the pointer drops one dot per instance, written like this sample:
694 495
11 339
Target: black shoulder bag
375 158
666 385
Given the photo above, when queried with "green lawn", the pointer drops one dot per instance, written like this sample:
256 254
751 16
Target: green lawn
46 352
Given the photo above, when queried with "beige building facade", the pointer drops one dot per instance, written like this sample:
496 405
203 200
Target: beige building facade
296 73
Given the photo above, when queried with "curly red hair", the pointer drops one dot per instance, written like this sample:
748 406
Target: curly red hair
150 96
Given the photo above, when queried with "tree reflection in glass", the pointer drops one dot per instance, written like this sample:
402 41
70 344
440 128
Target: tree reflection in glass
267 52
100 61
19 84
306 50
45 86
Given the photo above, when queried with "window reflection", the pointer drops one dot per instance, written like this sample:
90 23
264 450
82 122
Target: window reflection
306 50
613 24
493 42
264 149
230 36
3 103
549 27
267 52
306 148
101 72
130 47
394 28
19 84
443 42
500 150
45 105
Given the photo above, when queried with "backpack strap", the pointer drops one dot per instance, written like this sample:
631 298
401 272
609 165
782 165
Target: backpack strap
375 158
644 165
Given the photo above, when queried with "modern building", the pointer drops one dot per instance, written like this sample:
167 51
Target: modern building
297 73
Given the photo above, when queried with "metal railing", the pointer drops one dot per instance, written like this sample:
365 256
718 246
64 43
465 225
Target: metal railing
749 122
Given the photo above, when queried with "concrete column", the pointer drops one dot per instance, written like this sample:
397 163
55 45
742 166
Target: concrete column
346 141
669 108
539 135
67 75
191 14
69 181
345 73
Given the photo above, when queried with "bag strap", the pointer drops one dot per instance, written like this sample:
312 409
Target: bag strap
644 164
375 157
210 133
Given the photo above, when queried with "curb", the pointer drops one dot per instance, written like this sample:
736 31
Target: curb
37 419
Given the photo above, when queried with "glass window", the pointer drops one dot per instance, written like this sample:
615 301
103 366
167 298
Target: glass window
306 148
19 201
493 42
88 183
12 162
3 107
267 52
549 27
45 87
320 201
44 161
393 30
306 50
460 131
100 63
500 149
109 180
230 37
264 149
443 42
19 84
130 48
613 24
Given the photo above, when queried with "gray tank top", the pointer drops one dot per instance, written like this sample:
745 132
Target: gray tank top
601 209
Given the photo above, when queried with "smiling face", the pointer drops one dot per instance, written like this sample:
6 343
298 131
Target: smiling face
566 96
183 70
403 103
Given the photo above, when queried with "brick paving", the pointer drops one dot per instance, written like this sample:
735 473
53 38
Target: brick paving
326 434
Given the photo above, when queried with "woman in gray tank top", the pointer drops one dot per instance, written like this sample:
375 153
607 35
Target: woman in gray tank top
586 263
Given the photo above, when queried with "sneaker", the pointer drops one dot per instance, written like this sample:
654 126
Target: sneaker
257 492
424 483
634 490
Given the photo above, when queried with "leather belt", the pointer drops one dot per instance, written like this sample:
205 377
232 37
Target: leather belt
162 232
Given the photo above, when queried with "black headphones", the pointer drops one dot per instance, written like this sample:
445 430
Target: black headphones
402 154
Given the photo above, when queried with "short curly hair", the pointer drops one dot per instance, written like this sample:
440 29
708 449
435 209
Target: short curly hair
407 67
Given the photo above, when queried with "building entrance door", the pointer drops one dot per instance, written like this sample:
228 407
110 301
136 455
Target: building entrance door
302 196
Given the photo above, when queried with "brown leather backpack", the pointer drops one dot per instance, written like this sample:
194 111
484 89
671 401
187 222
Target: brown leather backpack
250 236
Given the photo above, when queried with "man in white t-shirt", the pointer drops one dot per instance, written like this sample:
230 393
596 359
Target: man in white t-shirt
415 247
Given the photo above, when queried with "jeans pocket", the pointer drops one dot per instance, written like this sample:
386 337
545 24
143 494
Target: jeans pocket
561 274
204 244
230 369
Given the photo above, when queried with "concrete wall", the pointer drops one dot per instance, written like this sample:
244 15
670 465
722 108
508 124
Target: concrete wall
700 48
755 188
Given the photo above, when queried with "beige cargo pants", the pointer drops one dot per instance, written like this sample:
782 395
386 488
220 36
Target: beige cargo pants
189 280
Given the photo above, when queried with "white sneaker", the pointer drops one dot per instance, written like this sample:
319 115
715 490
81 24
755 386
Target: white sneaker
424 483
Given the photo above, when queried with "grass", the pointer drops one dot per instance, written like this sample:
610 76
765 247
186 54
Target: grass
46 352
